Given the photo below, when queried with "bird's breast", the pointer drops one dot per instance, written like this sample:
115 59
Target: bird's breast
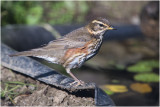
94 46
77 56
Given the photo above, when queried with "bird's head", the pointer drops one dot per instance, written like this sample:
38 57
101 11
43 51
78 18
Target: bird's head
99 25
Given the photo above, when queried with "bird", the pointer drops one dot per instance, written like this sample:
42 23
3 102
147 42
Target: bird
74 48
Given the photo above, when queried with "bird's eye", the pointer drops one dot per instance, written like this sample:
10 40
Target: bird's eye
101 25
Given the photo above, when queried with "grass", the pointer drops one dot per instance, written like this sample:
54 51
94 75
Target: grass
10 88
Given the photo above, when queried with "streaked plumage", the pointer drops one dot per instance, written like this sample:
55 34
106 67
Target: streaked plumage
73 49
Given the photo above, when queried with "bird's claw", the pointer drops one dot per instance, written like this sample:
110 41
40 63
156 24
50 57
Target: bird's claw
77 83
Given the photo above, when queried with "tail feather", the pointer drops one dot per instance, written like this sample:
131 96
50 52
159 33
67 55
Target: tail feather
25 53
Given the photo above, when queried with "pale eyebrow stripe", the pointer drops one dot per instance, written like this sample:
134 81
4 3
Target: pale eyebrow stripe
99 22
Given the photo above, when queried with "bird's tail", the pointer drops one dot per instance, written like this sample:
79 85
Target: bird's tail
24 53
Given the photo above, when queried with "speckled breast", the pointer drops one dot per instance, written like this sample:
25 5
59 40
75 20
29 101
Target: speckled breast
76 57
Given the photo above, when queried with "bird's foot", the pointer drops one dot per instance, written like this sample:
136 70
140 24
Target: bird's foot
77 83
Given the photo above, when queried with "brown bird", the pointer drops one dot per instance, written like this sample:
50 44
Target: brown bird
73 49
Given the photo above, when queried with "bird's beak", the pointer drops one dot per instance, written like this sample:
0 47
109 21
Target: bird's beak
111 28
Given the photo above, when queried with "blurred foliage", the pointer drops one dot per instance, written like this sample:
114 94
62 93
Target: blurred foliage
111 89
117 88
119 67
144 66
38 12
109 92
116 65
141 87
147 77
115 81
34 16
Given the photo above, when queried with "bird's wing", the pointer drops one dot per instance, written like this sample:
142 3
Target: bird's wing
74 39
63 43
58 47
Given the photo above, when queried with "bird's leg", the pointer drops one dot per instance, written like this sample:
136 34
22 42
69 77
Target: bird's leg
77 81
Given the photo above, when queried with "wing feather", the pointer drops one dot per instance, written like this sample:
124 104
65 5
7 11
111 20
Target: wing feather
57 48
